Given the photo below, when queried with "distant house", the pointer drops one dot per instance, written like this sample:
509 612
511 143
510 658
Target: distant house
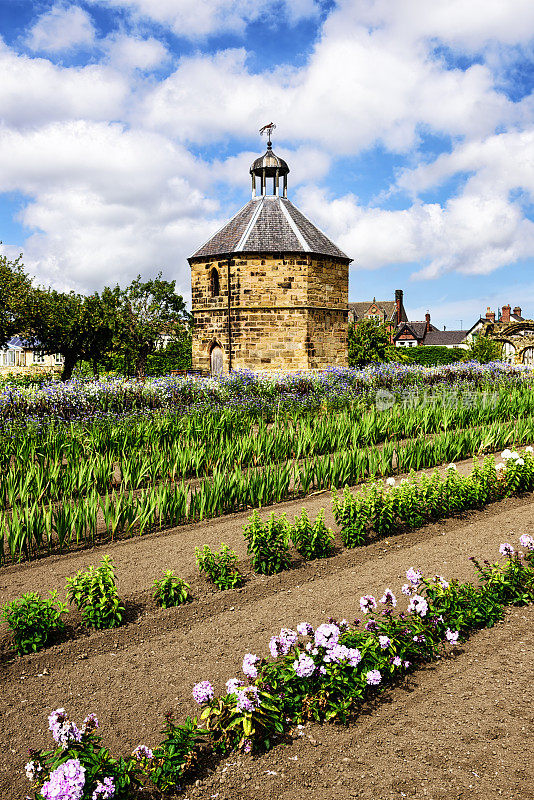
415 334
18 357
387 312
512 330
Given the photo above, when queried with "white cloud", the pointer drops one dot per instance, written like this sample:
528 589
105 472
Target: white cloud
132 52
194 19
33 91
470 234
62 28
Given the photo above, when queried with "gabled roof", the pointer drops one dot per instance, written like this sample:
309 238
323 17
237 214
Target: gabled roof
417 329
387 307
436 337
269 224
16 341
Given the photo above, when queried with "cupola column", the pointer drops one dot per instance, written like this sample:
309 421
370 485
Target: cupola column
285 186
277 183
263 183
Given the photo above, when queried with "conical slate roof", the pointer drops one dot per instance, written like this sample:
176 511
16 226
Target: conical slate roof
269 224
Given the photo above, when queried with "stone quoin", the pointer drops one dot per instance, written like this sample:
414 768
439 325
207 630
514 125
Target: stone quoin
269 289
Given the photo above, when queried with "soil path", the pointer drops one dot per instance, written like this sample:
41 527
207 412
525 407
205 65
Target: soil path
131 676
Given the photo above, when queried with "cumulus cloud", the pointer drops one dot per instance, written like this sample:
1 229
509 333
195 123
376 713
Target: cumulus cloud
62 28
191 19
470 234
132 52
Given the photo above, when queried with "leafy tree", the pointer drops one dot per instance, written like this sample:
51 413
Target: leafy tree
77 327
483 349
369 343
149 309
14 288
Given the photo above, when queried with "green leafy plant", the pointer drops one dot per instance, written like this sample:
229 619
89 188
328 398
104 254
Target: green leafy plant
268 543
220 567
248 725
94 593
312 540
176 754
170 590
34 620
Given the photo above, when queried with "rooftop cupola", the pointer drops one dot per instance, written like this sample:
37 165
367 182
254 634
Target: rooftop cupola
269 166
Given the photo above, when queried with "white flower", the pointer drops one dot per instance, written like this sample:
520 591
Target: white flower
519 462
451 466
529 449
514 454
506 454
390 481
500 466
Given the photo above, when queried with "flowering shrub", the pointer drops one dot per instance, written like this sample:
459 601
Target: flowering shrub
312 540
170 590
220 567
268 543
94 593
34 620
168 763
381 509
80 768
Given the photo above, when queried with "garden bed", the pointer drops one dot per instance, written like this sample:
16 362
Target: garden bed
435 737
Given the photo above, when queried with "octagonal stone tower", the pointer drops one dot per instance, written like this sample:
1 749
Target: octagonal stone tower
269 289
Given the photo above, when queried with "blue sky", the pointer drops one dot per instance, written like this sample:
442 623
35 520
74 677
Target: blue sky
128 127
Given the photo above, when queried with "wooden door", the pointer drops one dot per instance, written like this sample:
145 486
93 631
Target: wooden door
216 360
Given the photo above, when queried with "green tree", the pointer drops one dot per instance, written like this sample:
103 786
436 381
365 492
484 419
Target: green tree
483 349
149 310
369 343
14 288
77 327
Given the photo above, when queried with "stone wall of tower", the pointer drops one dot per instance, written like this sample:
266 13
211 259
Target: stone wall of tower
286 312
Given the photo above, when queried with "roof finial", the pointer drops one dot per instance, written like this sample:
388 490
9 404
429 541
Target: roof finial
269 128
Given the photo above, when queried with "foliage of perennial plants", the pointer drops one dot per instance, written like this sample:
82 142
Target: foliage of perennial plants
170 590
94 593
268 543
381 509
220 566
34 621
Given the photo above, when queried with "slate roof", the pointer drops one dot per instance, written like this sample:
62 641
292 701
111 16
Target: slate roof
416 328
269 224
444 337
16 341
387 306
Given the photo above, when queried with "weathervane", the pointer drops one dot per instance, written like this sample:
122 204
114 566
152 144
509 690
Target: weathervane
269 128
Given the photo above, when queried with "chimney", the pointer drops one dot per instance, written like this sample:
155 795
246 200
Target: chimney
505 316
517 311
427 320
398 303
490 315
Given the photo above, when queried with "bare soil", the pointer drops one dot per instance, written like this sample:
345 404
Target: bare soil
461 727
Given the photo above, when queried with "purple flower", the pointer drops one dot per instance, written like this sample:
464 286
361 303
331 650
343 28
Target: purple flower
354 656
451 636
66 782
247 747
442 582
287 639
371 625
418 605
275 647
406 664
384 641
327 635
397 661
142 751
367 603
388 598
203 692
90 723
249 666
373 677
305 629
414 576
32 769
419 638
233 685
408 589
526 541
506 549
248 699
104 790
338 653
304 666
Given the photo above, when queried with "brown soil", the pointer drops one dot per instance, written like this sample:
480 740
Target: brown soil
462 727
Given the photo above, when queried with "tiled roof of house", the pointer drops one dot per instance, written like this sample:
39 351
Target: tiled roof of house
389 307
269 224
437 337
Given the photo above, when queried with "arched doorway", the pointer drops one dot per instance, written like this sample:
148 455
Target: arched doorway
508 352
216 360
527 356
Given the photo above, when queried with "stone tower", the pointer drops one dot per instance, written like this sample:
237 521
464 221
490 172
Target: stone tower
269 289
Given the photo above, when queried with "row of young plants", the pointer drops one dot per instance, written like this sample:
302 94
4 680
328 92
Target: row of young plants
321 674
70 462
378 510
33 528
35 621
